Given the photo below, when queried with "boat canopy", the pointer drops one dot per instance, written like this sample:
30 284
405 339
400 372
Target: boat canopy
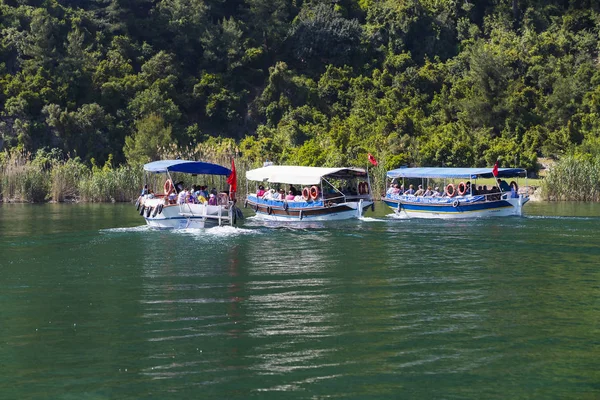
186 166
301 175
468 173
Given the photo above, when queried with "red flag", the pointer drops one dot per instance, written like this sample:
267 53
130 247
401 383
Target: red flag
372 159
495 170
232 178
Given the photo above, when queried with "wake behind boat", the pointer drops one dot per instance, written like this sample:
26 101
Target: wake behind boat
465 199
181 206
322 194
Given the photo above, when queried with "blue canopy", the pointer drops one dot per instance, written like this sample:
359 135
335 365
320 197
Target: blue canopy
467 173
185 166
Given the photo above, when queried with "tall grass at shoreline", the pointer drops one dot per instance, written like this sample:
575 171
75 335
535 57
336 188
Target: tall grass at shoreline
574 178
47 177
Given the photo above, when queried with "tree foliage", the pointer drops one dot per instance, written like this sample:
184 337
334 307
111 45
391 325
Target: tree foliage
419 82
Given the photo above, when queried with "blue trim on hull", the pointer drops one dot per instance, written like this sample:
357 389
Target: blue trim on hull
449 209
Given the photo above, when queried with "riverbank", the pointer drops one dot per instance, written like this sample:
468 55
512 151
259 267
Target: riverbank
47 178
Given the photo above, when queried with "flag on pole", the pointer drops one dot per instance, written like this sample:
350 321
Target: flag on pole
372 159
495 169
232 178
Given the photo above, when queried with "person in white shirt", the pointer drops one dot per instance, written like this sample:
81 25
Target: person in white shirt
182 196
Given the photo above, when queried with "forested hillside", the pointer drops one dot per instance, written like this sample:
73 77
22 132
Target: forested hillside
431 82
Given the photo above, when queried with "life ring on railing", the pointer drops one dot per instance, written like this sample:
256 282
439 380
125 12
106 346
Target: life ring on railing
461 189
168 187
455 203
514 185
306 194
450 190
314 192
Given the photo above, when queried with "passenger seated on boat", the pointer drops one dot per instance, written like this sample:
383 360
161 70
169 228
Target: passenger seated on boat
436 192
298 198
261 191
281 195
212 200
269 195
495 196
204 192
294 190
391 188
480 190
179 186
504 186
182 196
290 196
484 190
420 191
410 191
172 198
428 192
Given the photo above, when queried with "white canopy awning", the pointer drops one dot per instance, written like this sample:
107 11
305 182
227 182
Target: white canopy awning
301 175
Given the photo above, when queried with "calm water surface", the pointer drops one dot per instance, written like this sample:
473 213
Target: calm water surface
95 306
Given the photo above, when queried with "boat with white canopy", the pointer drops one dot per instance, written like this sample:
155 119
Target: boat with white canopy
177 206
461 196
295 193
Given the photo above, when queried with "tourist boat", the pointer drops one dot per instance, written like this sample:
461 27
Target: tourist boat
160 210
464 199
323 193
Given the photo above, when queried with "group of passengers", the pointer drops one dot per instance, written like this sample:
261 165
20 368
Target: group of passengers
429 192
197 195
292 194
503 186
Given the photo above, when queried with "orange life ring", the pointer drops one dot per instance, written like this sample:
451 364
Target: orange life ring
365 188
306 194
450 193
168 187
314 192
463 190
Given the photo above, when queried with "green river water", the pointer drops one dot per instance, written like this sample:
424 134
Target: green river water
93 305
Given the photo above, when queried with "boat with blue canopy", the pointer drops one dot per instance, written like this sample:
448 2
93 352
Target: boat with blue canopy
461 196
297 193
183 205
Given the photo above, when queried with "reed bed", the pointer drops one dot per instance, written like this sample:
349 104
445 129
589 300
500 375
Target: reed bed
573 178
43 177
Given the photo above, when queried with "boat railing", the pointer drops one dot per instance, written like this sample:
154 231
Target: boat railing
225 212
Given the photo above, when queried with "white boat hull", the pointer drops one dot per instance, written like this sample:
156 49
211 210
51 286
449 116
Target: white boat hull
335 212
503 208
185 216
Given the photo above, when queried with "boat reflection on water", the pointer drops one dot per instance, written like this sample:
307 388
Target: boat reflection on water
260 222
